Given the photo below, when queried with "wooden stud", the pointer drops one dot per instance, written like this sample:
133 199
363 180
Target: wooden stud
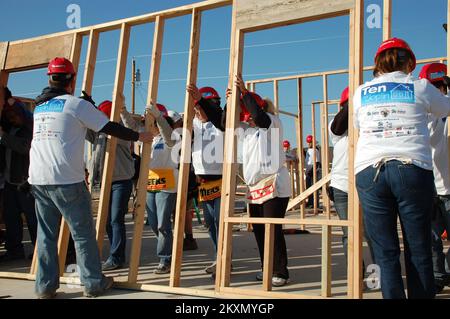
304 195
326 261
387 18
288 221
268 257
145 156
230 165
185 160
64 232
300 145
325 146
276 100
354 210
314 145
110 156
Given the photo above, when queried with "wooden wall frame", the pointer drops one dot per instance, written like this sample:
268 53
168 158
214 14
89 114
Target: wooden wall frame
247 16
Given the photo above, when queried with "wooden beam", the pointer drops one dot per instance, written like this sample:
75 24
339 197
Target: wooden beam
38 53
387 18
300 145
110 156
314 145
3 54
64 232
326 261
254 15
264 294
325 145
289 221
89 67
276 100
268 256
146 151
230 165
304 196
185 159
354 210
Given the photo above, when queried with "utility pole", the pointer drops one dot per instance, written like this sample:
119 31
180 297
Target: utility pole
133 88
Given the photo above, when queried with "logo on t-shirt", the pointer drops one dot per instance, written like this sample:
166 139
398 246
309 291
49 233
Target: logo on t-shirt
388 93
52 106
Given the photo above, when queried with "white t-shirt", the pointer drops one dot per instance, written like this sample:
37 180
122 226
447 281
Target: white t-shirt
439 150
57 149
263 155
309 159
207 150
391 113
339 171
162 158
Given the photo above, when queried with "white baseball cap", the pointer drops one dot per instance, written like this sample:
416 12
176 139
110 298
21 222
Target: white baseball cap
175 116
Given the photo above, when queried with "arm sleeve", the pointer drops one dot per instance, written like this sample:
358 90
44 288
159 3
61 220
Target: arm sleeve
260 117
439 104
340 122
213 112
165 130
90 117
129 121
20 145
117 130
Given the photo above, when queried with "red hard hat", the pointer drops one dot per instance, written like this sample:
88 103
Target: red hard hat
106 107
60 66
309 139
433 72
245 114
286 144
209 93
163 110
344 96
395 43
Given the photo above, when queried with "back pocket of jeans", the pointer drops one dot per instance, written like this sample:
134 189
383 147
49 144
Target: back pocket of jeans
364 179
415 179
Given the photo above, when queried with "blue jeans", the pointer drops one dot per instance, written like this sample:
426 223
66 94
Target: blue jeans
341 205
440 223
211 213
405 191
73 202
16 203
159 211
115 226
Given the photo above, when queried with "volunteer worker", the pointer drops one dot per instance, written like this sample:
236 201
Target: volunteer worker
207 157
436 74
393 167
264 169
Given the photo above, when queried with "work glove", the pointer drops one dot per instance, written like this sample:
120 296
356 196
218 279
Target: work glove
154 111
87 98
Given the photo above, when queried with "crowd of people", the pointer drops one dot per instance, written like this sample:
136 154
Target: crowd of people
401 167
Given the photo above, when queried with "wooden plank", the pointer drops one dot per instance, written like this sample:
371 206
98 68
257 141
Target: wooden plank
34 262
146 151
110 156
265 294
89 67
38 53
326 261
230 165
287 113
3 53
288 221
314 145
354 211
255 15
276 100
325 145
268 257
185 159
304 195
64 232
300 145
387 18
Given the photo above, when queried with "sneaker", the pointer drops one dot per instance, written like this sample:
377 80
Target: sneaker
190 244
259 276
211 269
162 269
106 285
47 295
279 282
111 265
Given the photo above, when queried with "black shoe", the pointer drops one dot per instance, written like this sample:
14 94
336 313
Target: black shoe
111 265
47 295
8 256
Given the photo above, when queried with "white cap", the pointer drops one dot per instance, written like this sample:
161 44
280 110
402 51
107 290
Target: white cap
175 116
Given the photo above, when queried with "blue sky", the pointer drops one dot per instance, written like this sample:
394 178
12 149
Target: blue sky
310 47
